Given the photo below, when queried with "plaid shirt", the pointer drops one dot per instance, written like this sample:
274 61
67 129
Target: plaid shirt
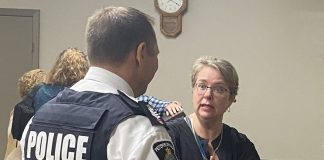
157 105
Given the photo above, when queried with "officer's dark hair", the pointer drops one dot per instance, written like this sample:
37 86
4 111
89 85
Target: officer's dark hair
113 32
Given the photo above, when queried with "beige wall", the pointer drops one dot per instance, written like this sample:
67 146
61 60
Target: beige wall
277 47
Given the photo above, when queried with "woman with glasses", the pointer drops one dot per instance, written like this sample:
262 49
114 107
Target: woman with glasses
203 135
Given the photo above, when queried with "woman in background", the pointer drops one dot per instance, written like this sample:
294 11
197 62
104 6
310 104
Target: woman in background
25 84
70 67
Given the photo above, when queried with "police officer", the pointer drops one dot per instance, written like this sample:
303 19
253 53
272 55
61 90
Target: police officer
99 118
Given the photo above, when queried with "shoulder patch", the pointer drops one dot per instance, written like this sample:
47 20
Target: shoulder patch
164 150
154 114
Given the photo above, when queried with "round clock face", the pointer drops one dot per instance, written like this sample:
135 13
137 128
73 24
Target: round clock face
170 6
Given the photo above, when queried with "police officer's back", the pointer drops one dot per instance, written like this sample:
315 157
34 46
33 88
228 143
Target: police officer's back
99 118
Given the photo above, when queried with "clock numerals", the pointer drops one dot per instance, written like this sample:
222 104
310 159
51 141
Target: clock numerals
178 4
171 16
170 6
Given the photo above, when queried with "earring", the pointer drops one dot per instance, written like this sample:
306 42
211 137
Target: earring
229 109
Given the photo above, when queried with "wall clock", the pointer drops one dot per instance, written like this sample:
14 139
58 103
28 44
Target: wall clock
171 15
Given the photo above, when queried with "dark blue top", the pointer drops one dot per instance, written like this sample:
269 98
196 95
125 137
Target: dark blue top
234 145
46 93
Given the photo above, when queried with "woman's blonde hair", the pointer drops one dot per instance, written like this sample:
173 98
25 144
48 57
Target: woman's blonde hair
29 79
70 67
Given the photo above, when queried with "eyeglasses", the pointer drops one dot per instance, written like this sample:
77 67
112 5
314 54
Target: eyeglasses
217 90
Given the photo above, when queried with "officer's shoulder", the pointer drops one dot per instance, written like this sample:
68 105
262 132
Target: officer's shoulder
176 123
141 123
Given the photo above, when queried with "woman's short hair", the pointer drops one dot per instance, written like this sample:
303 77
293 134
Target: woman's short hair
224 67
70 67
30 79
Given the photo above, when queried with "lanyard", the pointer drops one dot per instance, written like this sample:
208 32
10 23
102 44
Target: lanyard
187 119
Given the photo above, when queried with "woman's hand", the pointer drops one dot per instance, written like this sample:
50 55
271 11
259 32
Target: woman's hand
173 108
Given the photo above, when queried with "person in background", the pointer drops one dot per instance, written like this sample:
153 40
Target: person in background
98 117
29 80
162 107
203 134
70 67
25 84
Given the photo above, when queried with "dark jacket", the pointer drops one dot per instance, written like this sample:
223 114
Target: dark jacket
234 145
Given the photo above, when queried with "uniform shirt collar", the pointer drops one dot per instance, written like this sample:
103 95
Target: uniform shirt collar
109 78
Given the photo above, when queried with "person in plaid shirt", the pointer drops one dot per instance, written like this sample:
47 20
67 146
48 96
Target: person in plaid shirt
162 107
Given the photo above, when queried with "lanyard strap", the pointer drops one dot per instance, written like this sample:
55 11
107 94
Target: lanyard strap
187 119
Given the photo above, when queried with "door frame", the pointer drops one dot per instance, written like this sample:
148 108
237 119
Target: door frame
35 15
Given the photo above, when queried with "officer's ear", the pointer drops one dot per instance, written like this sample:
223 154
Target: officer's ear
140 53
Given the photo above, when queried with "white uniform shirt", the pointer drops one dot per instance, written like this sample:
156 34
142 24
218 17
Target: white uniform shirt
133 138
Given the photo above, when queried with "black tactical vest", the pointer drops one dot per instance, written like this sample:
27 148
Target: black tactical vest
78 125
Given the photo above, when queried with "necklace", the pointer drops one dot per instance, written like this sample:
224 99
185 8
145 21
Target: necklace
220 141
190 124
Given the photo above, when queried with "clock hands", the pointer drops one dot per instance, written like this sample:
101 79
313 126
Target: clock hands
174 2
171 16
